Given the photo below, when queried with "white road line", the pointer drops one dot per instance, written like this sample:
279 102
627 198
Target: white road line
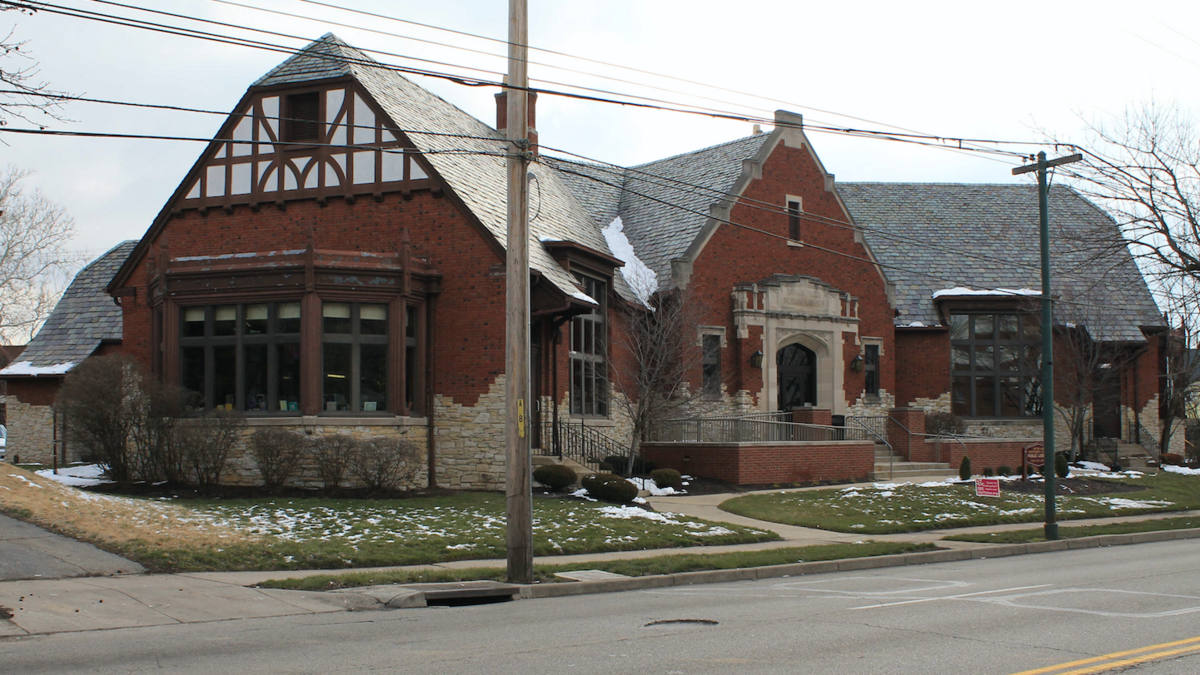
951 597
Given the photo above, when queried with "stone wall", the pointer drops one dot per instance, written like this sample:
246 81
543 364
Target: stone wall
30 432
877 406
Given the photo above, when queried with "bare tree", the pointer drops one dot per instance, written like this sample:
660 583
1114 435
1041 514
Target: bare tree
655 356
1087 370
31 99
1145 170
34 260
1181 354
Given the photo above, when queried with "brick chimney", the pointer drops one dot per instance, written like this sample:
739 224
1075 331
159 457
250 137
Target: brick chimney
502 118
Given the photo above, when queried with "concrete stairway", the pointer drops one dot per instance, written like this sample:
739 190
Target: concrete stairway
890 466
579 469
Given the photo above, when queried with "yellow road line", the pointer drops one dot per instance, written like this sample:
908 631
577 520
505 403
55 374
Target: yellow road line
1115 659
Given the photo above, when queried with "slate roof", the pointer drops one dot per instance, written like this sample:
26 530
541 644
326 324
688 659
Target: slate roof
663 204
468 154
84 317
929 227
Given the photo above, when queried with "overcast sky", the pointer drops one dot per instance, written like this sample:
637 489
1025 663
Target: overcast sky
996 70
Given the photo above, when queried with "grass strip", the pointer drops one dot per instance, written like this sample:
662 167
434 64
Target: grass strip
636 567
890 508
1028 536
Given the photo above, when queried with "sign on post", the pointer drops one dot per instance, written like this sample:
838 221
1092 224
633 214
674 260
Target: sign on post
1031 456
987 487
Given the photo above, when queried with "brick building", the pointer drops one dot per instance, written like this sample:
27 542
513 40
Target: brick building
334 262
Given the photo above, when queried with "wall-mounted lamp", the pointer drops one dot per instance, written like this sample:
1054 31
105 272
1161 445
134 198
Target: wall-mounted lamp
756 359
856 364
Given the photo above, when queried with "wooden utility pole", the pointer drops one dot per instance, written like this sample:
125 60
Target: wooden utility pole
519 498
1048 468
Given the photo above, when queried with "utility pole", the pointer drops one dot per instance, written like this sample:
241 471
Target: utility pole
1051 527
518 494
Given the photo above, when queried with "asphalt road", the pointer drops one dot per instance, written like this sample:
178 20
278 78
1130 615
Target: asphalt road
1090 609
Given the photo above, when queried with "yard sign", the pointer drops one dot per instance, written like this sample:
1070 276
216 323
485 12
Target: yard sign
987 487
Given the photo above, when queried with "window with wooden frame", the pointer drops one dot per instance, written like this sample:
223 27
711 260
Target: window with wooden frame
354 357
589 353
995 364
302 117
871 369
793 209
242 356
711 364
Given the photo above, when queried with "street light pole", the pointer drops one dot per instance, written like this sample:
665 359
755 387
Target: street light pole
1051 526
518 491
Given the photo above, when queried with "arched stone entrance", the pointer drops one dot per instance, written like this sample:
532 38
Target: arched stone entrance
796 366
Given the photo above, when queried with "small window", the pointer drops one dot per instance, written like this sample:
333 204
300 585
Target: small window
871 369
303 121
793 220
712 365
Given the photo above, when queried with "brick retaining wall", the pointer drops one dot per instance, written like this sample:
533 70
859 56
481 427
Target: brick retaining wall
984 452
764 464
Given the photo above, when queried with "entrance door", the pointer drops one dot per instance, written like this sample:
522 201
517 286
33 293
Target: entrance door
797 376
1106 404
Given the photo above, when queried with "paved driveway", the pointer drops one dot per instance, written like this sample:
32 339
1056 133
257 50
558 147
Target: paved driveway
29 552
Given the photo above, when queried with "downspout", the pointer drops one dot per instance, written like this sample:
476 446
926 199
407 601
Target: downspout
430 431
1137 420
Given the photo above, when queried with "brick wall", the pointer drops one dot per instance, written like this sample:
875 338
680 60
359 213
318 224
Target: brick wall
736 255
766 464
922 365
989 452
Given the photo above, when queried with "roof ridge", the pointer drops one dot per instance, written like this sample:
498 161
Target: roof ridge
696 152
332 61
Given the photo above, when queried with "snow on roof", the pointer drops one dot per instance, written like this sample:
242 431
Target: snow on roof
961 290
642 279
27 368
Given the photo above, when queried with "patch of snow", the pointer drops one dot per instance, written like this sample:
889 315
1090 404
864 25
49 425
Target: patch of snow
914 324
582 494
961 290
1092 466
1181 470
27 368
1119 503
642 279
25 480
580 295
655 491
85 475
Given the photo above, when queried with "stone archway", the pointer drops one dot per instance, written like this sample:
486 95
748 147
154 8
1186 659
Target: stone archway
796 369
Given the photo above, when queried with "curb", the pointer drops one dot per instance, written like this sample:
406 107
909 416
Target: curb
823 567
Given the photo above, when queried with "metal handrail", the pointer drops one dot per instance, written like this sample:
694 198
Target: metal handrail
1148 441
581 443
891 450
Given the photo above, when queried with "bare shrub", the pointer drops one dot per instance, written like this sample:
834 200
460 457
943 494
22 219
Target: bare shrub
332 454
158 408
939 423
277 453
206 443
384 463
99 400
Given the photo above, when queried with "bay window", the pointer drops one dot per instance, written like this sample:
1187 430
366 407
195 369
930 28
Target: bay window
995 365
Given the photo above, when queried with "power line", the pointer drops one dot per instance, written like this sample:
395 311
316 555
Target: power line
937 141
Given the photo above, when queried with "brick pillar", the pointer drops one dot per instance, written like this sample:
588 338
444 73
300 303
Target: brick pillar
811 415
912 419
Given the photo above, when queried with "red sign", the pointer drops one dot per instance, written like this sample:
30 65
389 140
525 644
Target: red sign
987 487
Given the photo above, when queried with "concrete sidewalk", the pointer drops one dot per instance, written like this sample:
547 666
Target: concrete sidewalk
98 603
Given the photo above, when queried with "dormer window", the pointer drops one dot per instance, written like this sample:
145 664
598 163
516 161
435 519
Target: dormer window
302 118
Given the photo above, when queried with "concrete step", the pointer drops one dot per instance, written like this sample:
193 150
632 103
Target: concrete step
913 466
914 476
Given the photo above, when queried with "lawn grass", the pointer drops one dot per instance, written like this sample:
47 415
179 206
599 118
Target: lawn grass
890 508
663 564
178 535
1027 536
